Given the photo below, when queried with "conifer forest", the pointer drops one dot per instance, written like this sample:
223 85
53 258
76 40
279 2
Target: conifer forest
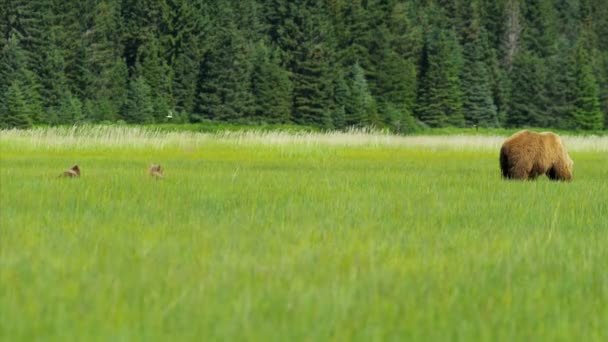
330 64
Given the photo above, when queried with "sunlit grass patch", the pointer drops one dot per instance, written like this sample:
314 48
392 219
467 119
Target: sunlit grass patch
87 137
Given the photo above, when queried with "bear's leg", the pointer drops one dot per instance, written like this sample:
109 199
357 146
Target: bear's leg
519 172
505 167
552 174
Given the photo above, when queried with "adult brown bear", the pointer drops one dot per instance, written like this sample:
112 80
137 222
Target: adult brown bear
526 155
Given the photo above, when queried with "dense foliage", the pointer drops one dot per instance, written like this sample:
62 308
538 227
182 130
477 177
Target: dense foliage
324 63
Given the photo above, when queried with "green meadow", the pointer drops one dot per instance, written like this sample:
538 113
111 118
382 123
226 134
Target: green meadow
296 236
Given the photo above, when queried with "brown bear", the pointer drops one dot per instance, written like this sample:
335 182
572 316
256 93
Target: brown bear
156 171
72 172
526 155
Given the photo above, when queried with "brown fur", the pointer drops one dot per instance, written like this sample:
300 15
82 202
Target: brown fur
156 171
72 172
526 155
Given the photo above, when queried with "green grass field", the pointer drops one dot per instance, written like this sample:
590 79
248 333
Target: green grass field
269 236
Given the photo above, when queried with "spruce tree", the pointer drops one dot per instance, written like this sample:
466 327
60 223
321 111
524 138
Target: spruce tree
225 76
396 89
310 66
440 96
361 109
157 74
478 102
527 103
587 113
559 85
139 106
271 87
54 81
341 99
105 73
539 34
17 113
13 69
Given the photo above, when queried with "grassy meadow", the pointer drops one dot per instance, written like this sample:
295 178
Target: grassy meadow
296 236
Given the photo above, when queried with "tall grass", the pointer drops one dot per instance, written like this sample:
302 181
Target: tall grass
273 236
86 137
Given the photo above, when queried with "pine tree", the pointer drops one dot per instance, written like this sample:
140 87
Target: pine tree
396 89
12 59
310 66
398 73
225 76
139 107
105 73
540 27
527 100
271 87
66 35
406 34
13 62
186 73
587 113
355 36
440 97
70 110
361 107
54 81
33 20
559 86
340 99
189 24
478 103
157 74
17 112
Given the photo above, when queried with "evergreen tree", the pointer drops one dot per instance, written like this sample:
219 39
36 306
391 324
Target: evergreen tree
66 35
105 72
361 107
310 66
559 86
540 27
341 99
157 74
12 59
186 73
396 86
69 111
17 112
188 25
272 89
54 81
405 30
225 76
440 96
13 63
478 102
527 94
139 107
32 21
587 112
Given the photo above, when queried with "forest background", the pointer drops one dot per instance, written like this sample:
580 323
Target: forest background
328 64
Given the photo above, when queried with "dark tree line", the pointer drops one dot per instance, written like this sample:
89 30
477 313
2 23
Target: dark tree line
324 63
